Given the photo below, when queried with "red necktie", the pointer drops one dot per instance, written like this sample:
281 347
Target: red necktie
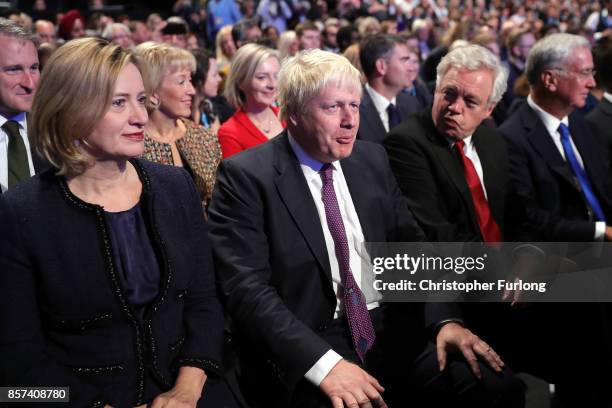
488 227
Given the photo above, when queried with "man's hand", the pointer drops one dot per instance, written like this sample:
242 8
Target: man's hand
348 385
453 336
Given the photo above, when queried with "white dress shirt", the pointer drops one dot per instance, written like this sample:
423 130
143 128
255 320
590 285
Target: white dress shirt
551 123
358 256
4 140
607 96
381 104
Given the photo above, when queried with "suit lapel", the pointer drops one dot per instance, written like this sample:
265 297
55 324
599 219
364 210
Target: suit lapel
540 139
490 174
582 136
360 195
370 115
295 194
451 165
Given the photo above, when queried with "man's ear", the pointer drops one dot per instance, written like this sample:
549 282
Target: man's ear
549 80
381 66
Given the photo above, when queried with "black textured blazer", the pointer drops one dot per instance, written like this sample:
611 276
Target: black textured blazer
64 317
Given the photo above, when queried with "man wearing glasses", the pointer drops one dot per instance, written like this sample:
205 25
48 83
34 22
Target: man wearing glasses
559 174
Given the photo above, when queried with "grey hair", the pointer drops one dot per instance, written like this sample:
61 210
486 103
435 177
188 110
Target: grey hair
10 28
109 30
473 57
552 52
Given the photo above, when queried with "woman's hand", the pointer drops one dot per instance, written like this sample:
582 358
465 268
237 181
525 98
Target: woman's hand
186 392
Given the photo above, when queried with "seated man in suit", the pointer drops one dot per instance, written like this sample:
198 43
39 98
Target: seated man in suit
288 219
452 169
560 178
556 163
601 116
389 67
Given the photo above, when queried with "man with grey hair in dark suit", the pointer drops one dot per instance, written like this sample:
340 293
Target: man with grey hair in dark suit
559 176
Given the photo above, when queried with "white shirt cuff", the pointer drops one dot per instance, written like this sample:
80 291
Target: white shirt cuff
322 367
600 230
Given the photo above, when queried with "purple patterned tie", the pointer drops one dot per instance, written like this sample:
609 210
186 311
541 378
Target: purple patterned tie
357 313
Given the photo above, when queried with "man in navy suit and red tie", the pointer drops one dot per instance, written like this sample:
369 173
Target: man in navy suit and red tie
288 219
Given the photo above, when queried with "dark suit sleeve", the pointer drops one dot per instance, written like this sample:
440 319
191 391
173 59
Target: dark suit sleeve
241 250
538 221
24 361
414 175
203 317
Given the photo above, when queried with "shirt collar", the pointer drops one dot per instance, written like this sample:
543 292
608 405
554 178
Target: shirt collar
551 123
380 102
19 118
607 96
467 140
304 159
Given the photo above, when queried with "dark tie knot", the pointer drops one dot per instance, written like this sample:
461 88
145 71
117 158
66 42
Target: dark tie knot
11 127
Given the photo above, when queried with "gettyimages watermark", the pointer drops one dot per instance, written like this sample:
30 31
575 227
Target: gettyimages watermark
475 272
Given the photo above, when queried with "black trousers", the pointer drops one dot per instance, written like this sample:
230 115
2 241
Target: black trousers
567 344
404 361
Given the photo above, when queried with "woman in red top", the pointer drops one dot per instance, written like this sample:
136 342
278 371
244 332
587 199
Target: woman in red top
251 89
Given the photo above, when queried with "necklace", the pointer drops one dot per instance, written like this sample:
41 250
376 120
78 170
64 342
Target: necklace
260 125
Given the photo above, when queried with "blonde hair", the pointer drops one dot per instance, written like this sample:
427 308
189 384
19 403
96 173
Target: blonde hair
285 41
222 58
246 61
75 92
157 61
302 77
352 54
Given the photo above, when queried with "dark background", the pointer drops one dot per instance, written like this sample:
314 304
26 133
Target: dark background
136 9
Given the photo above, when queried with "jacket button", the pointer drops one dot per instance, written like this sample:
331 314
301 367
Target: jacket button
322 328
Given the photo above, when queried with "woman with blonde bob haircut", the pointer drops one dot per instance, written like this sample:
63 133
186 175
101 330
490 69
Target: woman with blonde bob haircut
251 90
171 138
105 261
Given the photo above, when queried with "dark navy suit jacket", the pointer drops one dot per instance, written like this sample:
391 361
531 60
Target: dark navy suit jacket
543 183
64 317
371 127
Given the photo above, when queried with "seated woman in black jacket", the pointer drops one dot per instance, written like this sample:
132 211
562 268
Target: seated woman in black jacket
106 279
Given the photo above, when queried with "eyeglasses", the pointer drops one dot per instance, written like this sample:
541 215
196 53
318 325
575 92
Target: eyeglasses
583 73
